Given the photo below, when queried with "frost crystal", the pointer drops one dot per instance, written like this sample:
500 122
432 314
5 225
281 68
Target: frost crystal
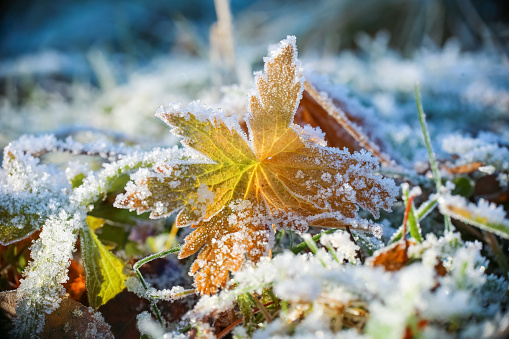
40 291
393 300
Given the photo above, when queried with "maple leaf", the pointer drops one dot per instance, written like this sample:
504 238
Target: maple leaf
240 188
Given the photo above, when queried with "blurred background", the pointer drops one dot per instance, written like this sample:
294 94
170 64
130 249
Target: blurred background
107 65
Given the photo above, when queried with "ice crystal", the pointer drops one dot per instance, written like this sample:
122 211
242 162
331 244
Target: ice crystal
41 290
487 153
484 214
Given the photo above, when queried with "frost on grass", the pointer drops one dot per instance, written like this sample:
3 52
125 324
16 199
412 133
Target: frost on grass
487 153
41 288
35 195
323 295
241 187
484 214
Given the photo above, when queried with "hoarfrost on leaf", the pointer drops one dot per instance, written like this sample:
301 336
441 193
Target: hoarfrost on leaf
282 170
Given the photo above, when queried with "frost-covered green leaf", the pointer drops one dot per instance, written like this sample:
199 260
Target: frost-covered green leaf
18 217
104 275
30 192
41 290
96 185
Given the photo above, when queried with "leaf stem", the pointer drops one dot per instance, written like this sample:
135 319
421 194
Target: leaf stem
405 219
431 154
136 269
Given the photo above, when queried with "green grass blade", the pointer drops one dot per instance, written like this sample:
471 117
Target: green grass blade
431 154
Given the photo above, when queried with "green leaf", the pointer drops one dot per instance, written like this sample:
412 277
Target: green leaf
95 223
104 277
77 180
463 187
413 221
18 218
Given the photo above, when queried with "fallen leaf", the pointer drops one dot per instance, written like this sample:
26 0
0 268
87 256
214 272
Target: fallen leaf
392 258
238 188
341 127
466 168
75 286
104 276
70 320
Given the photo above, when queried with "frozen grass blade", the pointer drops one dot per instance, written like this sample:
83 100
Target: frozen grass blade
487 216
413 223
312 246
303 245
431 154
421 213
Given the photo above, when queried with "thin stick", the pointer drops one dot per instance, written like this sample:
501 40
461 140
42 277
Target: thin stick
431 154
229 328
172 236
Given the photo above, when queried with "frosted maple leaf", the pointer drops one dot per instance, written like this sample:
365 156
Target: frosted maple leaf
239 189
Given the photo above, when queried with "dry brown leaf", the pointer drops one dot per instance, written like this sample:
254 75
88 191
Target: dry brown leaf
70 320
466 168
341 127
392 258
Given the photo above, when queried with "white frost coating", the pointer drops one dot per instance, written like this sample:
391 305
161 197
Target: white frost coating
484 214
148 326
415 191
92 331
298 290
392 299
75 168
175 293
201 112
98 183
275 51
313 135
32 145
133 284
41 289
343 246
487 149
